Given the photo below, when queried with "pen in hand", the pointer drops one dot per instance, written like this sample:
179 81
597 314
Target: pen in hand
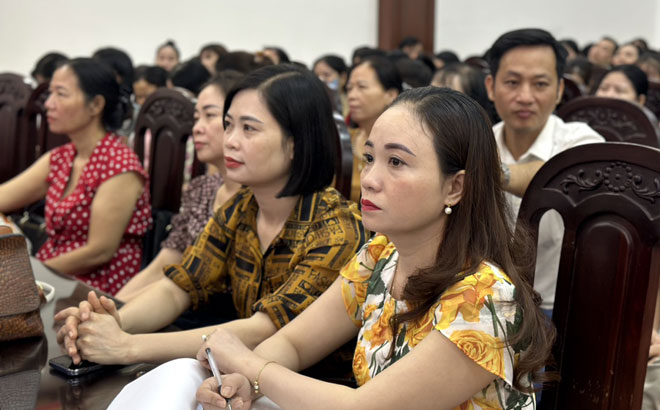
216 372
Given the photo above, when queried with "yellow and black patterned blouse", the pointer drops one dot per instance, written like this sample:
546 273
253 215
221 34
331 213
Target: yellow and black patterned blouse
322 233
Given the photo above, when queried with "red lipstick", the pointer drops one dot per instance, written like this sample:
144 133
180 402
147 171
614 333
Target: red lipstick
368 206
232 163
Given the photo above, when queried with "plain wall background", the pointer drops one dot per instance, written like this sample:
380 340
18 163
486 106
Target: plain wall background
305 28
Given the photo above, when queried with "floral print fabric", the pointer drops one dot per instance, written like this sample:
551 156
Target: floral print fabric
474 313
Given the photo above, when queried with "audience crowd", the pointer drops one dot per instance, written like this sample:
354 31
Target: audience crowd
443 151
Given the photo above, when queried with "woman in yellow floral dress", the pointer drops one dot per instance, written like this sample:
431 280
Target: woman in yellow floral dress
436 299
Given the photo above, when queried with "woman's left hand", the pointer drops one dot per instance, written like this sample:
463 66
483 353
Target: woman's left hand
101 340
235 387
228 351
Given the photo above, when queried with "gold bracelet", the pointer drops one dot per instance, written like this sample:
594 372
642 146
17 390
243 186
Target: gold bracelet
256 381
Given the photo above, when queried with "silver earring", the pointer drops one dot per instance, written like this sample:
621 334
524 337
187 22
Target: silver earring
447 210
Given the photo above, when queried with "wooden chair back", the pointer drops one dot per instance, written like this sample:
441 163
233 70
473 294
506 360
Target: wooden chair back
653 98
344 163
608 196
14 93
169 117
616 120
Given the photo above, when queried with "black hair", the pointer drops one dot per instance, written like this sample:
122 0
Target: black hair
526 37
281 54
581 67
447 57
570 43
154 75
47 64
409 41
641 44
218 49
396 55
333 61
241 61
190 75
97 78
120 62
386 72
224 80
300 104
414 73
169 43
611 40
634 74
472 83
363 52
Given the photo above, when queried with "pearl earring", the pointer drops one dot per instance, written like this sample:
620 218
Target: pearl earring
447 210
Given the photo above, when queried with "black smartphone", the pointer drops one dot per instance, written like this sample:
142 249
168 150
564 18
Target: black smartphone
64 365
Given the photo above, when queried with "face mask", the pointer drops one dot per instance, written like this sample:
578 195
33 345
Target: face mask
333 85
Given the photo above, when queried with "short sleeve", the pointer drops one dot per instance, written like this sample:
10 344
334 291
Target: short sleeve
204 265
476 315
112 158
332 239
357 273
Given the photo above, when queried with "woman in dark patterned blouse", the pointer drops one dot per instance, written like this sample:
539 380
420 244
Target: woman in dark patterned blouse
205 193
274 247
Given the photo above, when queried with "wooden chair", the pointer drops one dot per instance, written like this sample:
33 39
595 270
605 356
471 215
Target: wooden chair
608 195
653 98
616 120
35 130
14 93
344 163
169 117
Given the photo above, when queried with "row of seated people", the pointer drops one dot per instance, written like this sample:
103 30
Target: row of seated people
414 149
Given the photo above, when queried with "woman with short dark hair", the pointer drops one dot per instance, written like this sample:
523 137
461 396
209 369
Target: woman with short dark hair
274 247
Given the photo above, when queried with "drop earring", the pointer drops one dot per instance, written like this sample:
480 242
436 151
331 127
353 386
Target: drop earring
448 210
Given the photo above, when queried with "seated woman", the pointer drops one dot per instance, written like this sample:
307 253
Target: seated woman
167 55
97 196
147 80
468 80
209 55
274 247
437 299
372 85
332 70
625 82
205 194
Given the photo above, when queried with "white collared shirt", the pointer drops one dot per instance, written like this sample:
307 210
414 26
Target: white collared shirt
556 136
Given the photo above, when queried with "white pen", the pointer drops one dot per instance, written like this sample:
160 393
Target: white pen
216 373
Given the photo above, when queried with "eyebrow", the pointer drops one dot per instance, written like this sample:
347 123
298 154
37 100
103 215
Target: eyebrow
207 106
517 74
244 118
392 145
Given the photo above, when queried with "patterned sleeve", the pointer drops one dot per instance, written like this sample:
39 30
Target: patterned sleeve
356 275
331 241
197 195
476 314
203 270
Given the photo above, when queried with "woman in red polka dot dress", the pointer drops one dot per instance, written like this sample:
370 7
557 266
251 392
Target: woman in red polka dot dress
97 196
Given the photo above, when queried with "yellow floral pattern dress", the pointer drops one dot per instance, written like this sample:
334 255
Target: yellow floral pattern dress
474 313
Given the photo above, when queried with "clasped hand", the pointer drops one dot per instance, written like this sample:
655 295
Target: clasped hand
92 331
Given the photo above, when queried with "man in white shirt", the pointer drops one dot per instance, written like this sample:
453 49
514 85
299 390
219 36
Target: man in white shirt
525 85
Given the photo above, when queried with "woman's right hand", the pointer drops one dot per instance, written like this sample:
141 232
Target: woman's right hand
235 387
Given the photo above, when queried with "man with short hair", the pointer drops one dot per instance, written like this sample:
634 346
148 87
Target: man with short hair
525 85
601 53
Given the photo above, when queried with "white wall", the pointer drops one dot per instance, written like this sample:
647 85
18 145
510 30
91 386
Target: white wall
471 26
304 28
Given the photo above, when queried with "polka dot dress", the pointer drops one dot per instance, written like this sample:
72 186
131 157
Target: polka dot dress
67 219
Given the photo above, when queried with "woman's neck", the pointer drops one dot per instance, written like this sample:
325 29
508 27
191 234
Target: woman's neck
417 250
273 210
86 139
